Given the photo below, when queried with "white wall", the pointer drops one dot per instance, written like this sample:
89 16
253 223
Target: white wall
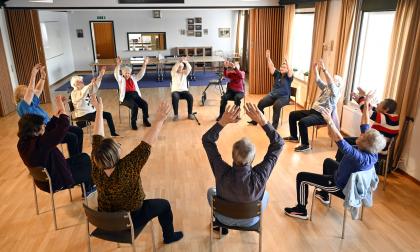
412 164
172 22
114 3
62 65
8 49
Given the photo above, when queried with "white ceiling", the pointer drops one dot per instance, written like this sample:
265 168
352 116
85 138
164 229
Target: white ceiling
114 3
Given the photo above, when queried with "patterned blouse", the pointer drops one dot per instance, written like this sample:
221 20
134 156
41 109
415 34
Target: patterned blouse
123 189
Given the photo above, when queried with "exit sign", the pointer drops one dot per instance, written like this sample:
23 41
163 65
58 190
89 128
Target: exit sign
100 17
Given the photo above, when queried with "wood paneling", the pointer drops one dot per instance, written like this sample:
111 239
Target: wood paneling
7 104
104 40
26 43
265 32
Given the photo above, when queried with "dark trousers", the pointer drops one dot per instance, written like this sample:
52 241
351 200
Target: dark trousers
176 96
74 140
80 166
324 181
107 116
230 95
306 119
134 102
152 208
277 102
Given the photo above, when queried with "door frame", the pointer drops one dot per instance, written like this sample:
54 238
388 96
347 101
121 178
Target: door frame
91 37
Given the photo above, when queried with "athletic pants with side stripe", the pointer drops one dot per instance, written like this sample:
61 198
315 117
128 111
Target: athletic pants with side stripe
324 181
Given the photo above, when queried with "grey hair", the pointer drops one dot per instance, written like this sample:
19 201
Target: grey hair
372 141
243 152
126 69
75 79
338 80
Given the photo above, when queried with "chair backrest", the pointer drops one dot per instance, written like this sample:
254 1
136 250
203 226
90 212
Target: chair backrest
108 221
390 151
39 174
236 210
293 91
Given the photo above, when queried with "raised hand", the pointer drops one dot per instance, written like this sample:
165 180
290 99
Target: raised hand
36 69
255 114
231 115
163 111
355 96
97 102
370 96
226 63
321 64
102 71
119 61
316 66
146 60
267 54
362 92
43 73
60 104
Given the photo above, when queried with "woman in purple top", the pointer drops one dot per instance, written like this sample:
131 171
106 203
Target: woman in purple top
37 147
335 175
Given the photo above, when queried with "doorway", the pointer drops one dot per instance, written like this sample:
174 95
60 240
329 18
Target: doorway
103 40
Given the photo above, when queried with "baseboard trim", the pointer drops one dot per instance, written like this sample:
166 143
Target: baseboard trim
405 174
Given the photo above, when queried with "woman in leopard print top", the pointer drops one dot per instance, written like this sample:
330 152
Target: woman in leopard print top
118 180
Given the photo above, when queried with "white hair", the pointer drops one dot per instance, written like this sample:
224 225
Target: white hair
75 79
338 80
372 141
126 69
243 152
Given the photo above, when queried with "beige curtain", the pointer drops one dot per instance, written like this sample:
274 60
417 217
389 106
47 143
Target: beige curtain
348 9
289 15
317 48
403 81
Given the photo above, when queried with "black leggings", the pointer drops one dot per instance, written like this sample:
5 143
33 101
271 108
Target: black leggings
277 102
74 140
80 166
230 95
107 116
306 119
325 182
152 208
176 96
134 102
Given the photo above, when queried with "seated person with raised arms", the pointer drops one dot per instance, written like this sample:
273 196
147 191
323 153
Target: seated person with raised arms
28 100
241 182
235 88
179 87
118 178
37 147
335 175
80 97
330 93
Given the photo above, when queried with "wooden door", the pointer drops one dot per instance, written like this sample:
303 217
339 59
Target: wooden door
104 40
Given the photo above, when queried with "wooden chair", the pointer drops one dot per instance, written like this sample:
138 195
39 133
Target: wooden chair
236 211
293 93
315 129
42 180
113 226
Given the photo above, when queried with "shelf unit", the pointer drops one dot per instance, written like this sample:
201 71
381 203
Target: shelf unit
195 51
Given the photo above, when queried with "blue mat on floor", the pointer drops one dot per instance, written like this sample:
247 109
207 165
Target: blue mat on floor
148 81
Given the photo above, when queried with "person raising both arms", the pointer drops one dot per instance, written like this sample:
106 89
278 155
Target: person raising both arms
179 87
129 91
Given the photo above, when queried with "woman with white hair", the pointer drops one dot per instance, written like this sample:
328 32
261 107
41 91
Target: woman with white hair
241 182
80 97
330 93
336 175
179 87
129 91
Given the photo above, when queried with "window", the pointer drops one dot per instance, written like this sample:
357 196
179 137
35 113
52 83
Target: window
372 53
146 41
301 50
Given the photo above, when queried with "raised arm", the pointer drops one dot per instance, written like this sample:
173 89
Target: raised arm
330 80
175 67
333 132
30 91
270 63
40 85
289 69
97 83
188 67
321 84
98 127
161 115
117 69
142 71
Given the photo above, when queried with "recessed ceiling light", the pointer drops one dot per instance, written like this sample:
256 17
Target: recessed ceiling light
41 1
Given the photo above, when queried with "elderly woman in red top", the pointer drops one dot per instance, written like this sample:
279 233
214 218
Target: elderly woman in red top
235 88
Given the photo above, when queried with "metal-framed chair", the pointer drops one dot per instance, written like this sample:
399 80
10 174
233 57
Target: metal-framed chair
315 129
236 211
113 226
293 93
387 163
79 122
41 179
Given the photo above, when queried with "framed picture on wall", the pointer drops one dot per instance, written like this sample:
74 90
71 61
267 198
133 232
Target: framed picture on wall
191 27
224 32
190 33
198 20
198 34
190 21
79 33
198 27
205 31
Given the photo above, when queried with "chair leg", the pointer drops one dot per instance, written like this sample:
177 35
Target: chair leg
385 175
88 233
53 210
313 134
36 198
211 228
344 223
71 198
329 196
312 204
220 233
153 236
119 112
361 213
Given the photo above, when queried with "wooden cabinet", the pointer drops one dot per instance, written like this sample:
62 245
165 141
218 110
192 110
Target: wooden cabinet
195 51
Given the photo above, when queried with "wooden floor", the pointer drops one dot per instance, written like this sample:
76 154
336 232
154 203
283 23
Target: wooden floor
178 170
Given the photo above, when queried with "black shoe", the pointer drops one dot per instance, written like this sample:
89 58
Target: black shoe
225 231
253 122
218 118
297 212
134 126
291 139
323 197
303 148
146 123
114 134
175 237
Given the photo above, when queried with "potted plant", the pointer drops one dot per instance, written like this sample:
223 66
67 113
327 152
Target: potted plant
306 74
